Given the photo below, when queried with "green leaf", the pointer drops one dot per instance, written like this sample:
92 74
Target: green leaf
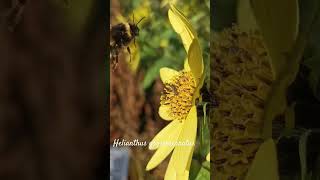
204 172
278 22
303 153
206 164
265 163
208 3
194 169
204 134
153 72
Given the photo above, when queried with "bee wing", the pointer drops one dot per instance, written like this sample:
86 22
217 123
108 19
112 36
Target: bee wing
182 26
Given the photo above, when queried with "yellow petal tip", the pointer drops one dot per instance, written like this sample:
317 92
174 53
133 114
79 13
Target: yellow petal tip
208 157
166 74
164 112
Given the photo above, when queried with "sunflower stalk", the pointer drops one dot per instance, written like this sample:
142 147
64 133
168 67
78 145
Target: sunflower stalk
204 133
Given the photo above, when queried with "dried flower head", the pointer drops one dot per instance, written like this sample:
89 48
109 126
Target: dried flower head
240 80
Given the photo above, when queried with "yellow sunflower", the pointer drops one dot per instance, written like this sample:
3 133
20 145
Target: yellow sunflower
181 89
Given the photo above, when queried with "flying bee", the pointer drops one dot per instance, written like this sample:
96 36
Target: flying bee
122 35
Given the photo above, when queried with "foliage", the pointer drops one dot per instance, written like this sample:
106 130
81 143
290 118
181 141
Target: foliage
159 45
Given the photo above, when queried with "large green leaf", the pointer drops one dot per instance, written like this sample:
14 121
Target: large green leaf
204 173
194 169
265 163
207 3
303 153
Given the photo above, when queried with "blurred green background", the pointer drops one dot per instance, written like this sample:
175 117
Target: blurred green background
159 45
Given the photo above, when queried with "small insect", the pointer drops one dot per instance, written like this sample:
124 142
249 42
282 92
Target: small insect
172 88
122 35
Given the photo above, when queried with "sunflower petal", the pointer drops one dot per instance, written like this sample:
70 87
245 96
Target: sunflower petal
208 157
182 26
172 128
189 162
164 112
170 172
166 74
195 60
186 66
184 176
265 163
164 149
159 156
181 154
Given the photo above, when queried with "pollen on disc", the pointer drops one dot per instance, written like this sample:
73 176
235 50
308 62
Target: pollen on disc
178 95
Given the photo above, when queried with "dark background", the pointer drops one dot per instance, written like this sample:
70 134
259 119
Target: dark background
53 89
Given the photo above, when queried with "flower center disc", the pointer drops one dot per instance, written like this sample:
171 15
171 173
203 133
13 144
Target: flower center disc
178 94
